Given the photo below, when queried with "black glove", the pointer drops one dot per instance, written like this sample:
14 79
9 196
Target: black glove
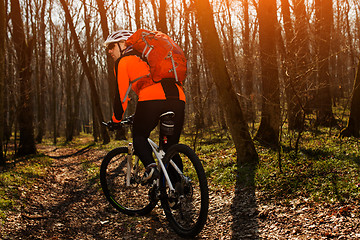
112 126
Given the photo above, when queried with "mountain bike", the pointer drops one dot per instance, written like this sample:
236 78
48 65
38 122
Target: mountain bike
181 188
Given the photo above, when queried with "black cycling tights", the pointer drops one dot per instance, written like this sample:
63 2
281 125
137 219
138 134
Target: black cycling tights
146 119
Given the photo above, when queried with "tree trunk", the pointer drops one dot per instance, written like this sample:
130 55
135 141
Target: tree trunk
248 81
53 78
305 77
42 72
91 64
69 86
324 22
353 126
351 52
94 93
25 110
268 132
195 91
2 77
110 65
162 17
137 14
246 153
293 82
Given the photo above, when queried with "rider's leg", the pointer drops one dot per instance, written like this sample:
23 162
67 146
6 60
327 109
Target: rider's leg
144 123
178 107
146 119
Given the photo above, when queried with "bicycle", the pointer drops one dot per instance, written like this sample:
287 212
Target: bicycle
182 190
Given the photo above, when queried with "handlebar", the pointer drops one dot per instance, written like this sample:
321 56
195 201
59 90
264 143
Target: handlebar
128 121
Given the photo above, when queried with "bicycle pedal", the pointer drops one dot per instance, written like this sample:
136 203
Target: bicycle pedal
173 203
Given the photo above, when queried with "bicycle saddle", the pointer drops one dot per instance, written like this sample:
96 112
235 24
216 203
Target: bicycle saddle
169 114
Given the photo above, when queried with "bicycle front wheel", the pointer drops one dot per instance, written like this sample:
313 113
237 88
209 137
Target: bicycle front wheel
120 177
187 207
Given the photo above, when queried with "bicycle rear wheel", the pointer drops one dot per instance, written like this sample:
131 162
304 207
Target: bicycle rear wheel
187 208
129 197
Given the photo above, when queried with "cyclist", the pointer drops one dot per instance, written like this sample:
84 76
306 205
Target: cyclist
154 99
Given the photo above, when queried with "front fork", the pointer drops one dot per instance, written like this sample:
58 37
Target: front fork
131 167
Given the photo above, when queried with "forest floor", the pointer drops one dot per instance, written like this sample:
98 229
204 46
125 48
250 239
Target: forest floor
66 204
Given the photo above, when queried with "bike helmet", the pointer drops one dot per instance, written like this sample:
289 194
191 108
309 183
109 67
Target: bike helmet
118 36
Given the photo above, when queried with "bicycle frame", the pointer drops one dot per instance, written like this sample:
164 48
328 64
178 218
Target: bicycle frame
159 154
185 202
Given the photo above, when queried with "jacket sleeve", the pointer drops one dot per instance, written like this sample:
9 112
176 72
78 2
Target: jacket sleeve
129 69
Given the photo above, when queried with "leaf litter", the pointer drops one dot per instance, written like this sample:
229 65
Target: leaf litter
66 205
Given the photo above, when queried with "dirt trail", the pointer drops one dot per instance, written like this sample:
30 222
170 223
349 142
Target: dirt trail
67 205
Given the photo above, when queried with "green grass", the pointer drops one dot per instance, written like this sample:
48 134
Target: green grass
19 175
325 168
92 171
218 158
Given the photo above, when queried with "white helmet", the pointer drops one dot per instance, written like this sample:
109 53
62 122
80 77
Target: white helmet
118 36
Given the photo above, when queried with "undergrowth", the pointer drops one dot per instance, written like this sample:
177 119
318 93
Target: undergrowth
18 174
325 168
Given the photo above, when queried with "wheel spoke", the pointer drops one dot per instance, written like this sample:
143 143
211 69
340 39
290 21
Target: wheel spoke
130 199
187 208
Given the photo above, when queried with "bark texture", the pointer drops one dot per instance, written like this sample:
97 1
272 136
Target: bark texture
244 145
268 132
353 126
25 109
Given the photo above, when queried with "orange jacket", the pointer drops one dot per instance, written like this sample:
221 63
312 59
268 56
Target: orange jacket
133 73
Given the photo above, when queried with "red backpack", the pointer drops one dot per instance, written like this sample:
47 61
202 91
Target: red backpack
165 57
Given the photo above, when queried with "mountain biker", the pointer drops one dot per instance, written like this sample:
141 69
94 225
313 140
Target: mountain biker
154 99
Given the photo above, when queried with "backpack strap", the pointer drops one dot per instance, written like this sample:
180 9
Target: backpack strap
170 88
129 51
173 64
130 85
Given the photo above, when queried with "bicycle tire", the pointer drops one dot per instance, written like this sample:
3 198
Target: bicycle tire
188 216
132 200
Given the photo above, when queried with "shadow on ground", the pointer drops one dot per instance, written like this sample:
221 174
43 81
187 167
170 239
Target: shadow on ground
244 206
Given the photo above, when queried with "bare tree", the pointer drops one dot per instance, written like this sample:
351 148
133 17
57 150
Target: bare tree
160 15
324 23
305 60
120 133
195 90
248 81
42 76
350 43
106 32
268 132
25 109
90 60
353 126
244 145
68 78
94 93
137 14
2 76
162 26
293 92
53 58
